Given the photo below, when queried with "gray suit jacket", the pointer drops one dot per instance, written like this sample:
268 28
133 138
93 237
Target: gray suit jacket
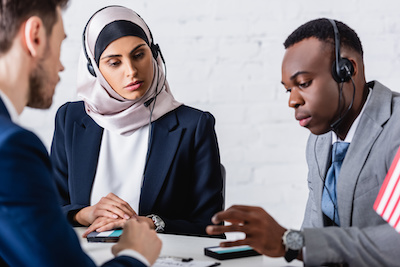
364 238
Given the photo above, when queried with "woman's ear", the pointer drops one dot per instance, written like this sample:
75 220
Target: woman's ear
35 36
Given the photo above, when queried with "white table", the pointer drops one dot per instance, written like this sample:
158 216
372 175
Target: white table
182 246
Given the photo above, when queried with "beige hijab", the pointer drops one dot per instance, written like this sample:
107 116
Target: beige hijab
108 109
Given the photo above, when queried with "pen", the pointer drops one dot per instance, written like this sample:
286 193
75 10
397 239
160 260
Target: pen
178 258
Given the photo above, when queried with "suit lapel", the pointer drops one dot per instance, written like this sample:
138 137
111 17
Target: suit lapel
164 143
376 113
86 147
323 145
3 109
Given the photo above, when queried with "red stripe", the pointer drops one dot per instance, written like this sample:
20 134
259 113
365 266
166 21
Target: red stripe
397 202
386 181
397 222
390 198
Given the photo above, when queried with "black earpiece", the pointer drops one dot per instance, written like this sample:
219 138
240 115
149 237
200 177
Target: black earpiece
89 62
154 50
342 69
91 69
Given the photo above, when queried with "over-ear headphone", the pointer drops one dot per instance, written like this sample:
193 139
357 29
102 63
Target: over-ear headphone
342 68
155 48
89 62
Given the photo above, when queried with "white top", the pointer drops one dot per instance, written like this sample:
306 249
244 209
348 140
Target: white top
353 128
10 108
121 166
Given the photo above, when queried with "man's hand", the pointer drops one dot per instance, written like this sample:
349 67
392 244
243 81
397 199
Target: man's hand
110 206
263 233
138 236
146 220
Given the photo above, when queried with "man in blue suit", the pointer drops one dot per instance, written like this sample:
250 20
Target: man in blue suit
33 230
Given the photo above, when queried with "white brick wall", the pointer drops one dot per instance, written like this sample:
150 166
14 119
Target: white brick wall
225 56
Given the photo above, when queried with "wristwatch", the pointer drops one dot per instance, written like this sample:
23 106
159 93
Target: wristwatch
293 242
158 222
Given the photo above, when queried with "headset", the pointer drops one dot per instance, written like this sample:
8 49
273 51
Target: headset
89 62
342 71
155 48
342 68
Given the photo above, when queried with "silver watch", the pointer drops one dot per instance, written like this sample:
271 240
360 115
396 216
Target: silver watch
293 242
158 222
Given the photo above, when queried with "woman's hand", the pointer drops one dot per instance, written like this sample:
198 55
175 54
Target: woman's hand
110 206
102 224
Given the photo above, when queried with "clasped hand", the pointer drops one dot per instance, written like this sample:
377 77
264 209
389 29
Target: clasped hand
109 213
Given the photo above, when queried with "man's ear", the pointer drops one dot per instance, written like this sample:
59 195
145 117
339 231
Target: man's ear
355 65
35 36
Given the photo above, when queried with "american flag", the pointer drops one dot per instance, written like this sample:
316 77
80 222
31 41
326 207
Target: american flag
387 203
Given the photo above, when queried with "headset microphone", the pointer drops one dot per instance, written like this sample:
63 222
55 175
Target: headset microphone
338 121
148 102
155 49
335 124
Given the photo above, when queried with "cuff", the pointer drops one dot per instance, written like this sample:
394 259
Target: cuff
304 253
134 254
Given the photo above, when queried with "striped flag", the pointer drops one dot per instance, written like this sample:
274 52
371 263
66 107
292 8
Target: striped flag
387 203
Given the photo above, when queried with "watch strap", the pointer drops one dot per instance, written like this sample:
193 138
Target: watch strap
291 254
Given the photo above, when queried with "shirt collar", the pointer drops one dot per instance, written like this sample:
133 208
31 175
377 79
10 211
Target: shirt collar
10 107
353 128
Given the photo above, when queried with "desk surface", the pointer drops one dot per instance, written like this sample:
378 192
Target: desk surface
182 246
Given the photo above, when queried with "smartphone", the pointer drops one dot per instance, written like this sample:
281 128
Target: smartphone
106 236
221 253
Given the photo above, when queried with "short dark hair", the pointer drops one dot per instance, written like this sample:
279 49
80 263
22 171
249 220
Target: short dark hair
322 29
14 12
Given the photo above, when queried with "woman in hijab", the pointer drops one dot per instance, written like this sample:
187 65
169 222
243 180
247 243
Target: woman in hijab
129 149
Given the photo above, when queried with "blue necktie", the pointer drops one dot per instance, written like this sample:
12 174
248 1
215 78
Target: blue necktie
329 202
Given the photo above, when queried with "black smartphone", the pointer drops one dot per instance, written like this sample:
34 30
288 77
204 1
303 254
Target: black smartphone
107 236
221 253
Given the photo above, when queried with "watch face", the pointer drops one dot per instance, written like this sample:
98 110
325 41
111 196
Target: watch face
158 223
295 240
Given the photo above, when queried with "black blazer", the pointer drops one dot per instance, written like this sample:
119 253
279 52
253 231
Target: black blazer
182 178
